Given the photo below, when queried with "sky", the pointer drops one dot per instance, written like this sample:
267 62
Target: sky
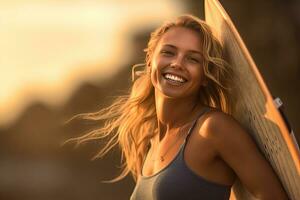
47 48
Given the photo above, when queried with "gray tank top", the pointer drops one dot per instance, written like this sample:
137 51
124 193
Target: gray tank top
178 182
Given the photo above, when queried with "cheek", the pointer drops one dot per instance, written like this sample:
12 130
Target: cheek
153 74
156 66
198 74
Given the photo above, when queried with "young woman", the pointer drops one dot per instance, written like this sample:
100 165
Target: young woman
177 137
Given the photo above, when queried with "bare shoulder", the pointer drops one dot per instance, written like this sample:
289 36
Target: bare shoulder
239 150
222 127
228 136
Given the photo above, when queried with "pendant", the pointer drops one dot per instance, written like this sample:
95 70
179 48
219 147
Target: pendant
162 159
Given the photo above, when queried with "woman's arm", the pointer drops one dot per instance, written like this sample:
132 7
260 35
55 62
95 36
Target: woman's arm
240 152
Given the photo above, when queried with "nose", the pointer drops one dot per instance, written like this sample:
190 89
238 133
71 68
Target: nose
177 62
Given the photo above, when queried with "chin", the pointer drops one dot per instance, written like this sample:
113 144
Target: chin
172 93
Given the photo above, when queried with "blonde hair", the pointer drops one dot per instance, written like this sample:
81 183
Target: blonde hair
131 120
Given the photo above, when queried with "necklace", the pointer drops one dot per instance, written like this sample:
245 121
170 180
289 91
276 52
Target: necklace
162 157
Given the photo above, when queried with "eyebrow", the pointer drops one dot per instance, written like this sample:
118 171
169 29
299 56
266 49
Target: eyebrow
174 47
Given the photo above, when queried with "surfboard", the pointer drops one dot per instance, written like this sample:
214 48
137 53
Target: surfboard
255 107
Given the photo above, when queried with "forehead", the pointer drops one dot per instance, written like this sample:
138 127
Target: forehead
182 38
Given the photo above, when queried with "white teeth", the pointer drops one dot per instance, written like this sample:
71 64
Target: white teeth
174 78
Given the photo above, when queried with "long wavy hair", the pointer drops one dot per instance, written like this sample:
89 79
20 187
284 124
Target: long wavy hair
131 121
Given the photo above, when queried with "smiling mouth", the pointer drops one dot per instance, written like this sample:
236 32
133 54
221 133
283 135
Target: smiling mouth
174 78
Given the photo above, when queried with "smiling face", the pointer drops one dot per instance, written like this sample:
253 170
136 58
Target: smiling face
176 65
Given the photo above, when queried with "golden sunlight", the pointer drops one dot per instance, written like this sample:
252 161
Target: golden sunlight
45 44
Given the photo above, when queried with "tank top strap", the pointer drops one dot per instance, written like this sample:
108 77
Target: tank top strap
203 111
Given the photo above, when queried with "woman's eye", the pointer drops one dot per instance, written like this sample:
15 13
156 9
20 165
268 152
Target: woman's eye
194 60
167 53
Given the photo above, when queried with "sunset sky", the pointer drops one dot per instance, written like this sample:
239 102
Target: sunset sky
45 44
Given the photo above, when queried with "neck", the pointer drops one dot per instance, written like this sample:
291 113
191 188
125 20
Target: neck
174 113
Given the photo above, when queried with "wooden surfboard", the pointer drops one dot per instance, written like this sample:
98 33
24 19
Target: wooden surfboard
255 108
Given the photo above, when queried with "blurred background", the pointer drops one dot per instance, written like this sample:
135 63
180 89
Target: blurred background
61 58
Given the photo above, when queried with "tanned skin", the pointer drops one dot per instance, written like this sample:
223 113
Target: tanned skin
219 149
